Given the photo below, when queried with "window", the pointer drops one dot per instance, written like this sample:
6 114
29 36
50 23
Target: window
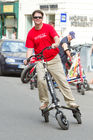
50 18
12 46
28 25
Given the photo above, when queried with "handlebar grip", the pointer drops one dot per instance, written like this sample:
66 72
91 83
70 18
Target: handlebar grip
28 59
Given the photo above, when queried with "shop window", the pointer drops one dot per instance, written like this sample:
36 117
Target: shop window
91 61
0 27
10 25
10 21
50 18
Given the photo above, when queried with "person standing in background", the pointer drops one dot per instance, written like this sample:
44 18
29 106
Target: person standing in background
14 35
64 49
52 23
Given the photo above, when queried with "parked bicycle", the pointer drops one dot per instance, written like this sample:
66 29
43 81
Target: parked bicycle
76 72
29 74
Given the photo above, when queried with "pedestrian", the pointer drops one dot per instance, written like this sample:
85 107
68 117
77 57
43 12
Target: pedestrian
4 36
40 36
52 23
64 50
14 35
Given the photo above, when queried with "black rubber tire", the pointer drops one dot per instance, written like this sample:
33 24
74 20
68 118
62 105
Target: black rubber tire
82 90
78 87
25 75
62 121
35 84
1 73
45 115
77 116
2 62
86 85
32 85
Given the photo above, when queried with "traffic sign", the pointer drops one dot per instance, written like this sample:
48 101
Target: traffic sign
63 17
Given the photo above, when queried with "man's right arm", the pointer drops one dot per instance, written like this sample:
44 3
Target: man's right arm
28 54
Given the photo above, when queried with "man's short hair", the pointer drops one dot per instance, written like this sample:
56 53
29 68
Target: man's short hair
37 11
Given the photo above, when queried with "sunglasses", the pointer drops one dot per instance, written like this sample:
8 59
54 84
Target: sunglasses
38 17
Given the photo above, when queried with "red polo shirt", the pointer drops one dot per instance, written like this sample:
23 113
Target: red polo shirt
39 39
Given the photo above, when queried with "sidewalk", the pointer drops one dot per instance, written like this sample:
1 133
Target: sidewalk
89 76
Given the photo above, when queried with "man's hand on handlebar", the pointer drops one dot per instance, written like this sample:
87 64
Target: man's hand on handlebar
39 55
25 62
54 45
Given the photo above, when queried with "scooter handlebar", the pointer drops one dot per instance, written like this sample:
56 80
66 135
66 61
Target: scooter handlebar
39 54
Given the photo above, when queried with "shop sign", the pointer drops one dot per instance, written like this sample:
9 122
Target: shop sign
81 21
7 8
47 7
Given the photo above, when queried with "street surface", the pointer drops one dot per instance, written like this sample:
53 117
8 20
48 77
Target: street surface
20 117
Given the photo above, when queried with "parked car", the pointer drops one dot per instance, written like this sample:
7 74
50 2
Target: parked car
12 55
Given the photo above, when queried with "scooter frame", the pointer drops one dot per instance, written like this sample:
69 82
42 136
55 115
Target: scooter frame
60 117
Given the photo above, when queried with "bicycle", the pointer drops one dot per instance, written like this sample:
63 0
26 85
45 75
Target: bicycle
29 74
76 72
60 117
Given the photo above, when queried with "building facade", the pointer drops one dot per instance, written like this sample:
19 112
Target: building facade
68 15
8 18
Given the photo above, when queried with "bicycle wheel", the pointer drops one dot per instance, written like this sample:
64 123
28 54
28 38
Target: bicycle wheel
82 90
26 74
86 85
32 85
62 121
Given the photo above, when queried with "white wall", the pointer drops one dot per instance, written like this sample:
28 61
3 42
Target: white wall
70 7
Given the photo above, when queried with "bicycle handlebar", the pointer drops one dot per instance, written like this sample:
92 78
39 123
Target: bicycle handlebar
39 55
77 48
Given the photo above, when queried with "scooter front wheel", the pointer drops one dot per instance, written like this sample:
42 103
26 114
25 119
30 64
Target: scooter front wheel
27 73
62 121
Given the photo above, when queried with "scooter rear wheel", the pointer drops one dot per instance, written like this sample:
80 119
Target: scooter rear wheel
62 121
45 114
77 116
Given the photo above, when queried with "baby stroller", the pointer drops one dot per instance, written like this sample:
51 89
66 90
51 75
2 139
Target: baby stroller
76 72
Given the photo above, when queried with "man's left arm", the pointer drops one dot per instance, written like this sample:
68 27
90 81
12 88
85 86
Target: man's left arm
55 36
57 41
